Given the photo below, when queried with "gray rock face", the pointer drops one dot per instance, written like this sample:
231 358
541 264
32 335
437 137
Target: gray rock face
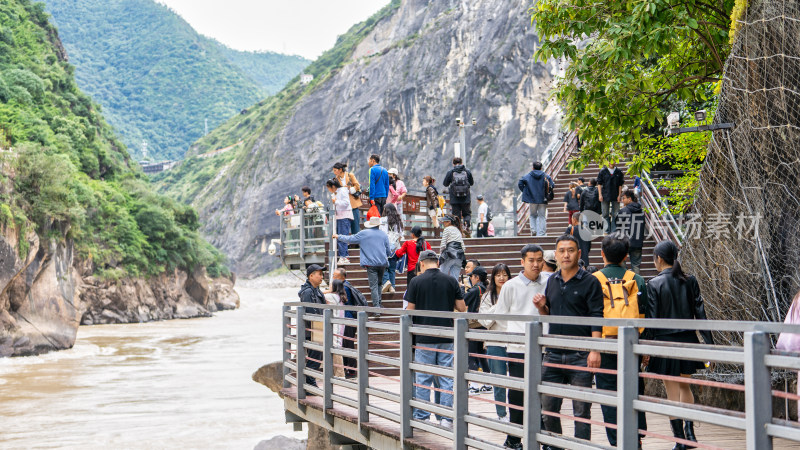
281 443
38 308
399 96
177 295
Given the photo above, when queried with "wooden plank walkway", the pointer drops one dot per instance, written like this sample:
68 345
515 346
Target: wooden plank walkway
719 437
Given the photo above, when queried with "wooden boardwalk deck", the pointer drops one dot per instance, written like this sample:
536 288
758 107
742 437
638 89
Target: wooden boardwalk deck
710 435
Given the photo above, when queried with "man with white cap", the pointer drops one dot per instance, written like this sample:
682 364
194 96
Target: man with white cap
375 251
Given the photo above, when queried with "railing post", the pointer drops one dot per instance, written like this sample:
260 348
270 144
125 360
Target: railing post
301 354
302 233
758 392
460 392
532 403
627 388
327 360
285 333
406 379
363 369
516 217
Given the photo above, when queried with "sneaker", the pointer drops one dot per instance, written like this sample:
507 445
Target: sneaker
447 423
486 388
474 391
515 446
386 287
505 419
342 261
391 289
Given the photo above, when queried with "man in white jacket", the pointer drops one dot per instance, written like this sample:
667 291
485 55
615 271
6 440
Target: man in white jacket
516 298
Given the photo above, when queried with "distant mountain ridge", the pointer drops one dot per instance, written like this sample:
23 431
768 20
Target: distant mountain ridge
156 78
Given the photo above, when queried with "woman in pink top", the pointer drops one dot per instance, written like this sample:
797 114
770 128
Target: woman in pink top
287 210
397 190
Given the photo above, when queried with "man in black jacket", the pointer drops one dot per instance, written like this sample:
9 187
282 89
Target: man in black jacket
459 179
310 293
610 180
630 222
571 291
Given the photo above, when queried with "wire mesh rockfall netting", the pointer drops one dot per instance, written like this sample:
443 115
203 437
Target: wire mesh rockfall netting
744 245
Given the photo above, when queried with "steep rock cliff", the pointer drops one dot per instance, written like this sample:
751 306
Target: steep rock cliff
397 94
46 295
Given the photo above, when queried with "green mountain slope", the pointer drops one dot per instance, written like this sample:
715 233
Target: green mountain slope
67 176
157 79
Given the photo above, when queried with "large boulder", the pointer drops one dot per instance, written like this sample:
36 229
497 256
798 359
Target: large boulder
38 308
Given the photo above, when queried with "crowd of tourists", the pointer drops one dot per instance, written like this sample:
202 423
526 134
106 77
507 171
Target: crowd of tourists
560 282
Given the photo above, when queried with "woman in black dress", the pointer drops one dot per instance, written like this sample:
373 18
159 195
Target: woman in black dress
672 294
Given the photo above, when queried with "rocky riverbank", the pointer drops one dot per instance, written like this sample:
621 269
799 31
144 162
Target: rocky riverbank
46 293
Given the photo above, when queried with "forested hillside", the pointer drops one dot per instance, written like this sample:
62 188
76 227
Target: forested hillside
65 174
156 78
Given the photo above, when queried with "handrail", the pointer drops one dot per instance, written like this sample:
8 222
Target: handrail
661 219
754 355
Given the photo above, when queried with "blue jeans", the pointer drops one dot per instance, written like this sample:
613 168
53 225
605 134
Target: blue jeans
425 379
635 255
501 368
538 218
355 227
610 212
343 227
452 267
391 272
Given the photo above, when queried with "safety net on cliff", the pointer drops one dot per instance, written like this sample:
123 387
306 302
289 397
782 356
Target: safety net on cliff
744 244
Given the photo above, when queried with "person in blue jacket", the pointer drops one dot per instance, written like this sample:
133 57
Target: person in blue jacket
378 182
535 187
375 252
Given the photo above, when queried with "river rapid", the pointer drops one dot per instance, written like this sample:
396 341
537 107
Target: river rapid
172 384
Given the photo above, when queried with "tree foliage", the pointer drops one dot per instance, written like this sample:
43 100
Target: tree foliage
630 62
67 175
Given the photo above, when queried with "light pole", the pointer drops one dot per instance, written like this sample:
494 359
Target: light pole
462 135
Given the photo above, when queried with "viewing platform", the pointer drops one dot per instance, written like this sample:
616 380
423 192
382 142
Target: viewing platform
375 410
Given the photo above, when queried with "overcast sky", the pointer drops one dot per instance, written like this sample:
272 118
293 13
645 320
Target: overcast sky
299 27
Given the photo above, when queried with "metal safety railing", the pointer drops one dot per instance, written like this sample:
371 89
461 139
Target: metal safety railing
662 222
305 234
309 350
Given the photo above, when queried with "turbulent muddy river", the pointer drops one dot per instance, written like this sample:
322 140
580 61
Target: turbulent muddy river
174 384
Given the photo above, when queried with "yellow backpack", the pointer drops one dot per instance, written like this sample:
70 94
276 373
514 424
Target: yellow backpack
620 299
441 202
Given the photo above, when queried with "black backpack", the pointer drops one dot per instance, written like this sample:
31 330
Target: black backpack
358 297
460 186
548 191
489 215
591 201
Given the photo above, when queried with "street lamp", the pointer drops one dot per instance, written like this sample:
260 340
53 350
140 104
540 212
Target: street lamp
463 136
674 123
